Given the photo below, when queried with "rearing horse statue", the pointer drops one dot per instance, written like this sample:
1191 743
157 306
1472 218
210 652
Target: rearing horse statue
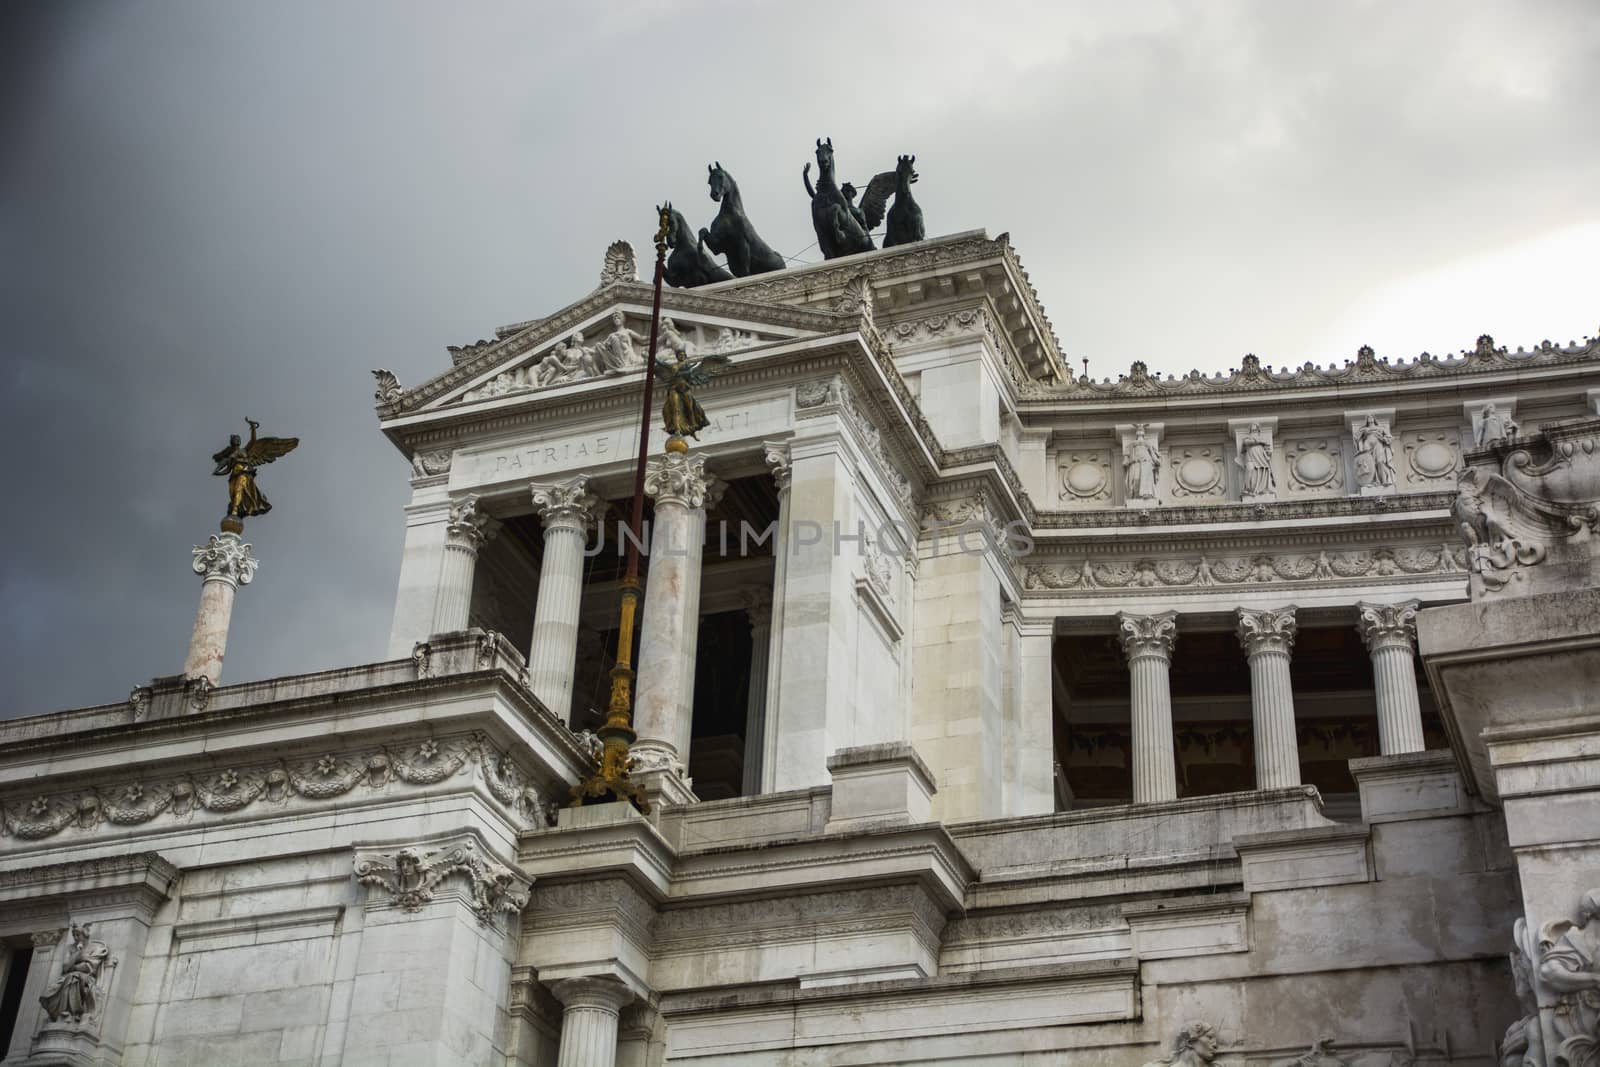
731 232
688 265
838 231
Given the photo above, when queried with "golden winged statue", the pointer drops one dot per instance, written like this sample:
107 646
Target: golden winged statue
238 463
681 413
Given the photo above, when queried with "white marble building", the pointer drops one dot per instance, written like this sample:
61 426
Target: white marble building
1002 717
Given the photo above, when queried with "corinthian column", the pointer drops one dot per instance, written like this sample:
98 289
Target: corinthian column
590 1008
758 610
1388 630
1268 639
776 454
464 534
225 563
663 712
567 509
1147 640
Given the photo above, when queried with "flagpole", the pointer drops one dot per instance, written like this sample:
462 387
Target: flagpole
610 779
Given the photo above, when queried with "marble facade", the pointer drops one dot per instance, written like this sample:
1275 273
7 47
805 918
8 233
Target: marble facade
1046 718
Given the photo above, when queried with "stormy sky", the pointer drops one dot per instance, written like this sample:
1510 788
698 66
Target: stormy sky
210 210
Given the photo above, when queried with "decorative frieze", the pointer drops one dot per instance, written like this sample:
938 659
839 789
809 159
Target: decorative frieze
1314 465
431 463
1090 575
313 778
413 874
1197 472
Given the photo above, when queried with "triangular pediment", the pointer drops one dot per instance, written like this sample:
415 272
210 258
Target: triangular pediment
604 336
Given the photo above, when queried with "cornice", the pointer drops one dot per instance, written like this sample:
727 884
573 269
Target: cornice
1266 512
1253 379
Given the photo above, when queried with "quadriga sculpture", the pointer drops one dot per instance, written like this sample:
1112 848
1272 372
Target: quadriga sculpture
838 231
731 233
689 264
905 217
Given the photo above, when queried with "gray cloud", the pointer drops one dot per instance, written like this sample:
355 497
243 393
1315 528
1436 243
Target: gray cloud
217 210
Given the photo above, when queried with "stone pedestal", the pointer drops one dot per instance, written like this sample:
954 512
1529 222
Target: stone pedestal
590 1009
1387 629
567 510
1148 640
1268 640
663 712
225 563
465 533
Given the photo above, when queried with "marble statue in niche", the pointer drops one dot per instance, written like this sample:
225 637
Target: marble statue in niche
1493 426
1142 464
72 994
1255 459
1374 454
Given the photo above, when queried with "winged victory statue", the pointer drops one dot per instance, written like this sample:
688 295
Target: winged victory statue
238 463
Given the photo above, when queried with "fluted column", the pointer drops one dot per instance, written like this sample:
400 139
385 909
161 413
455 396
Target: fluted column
225 563
1268 639
696 546
1388 630
777 457
758 609
663 710
567 510
464 534
1148 640
590 1009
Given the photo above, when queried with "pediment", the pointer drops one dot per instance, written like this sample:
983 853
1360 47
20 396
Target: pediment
605 337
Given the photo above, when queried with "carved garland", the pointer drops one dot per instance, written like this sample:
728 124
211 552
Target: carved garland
413 874
323 777
1089 575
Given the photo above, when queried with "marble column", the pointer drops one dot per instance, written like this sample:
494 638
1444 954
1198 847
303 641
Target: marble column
696 545
590 1009
464 534
1268 639
1147 641
225 563
567 509
1388 630
677 482
758 610
776 454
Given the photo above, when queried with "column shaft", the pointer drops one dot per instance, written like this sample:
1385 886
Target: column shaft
553 651
1268 639
756 703
225 563
591 1007
454 599
1388 630
1155 777
777 456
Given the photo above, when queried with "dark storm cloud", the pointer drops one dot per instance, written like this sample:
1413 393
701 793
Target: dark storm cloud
209 211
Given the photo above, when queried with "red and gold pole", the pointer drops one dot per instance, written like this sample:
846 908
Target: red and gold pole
610 779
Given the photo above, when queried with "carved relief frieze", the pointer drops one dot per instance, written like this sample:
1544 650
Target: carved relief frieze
322 777
412 876
1084 476
1314 465
1268 568
1431 456
1197 472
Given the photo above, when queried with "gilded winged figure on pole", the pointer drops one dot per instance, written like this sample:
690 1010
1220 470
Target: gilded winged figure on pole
238 463
681 413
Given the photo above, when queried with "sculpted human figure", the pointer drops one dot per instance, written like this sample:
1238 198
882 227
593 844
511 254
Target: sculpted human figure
1142 465
1569 965
1374 454
588 359
1195 1046
71 995
681 413
617 353
1494 426
239 462
1255 457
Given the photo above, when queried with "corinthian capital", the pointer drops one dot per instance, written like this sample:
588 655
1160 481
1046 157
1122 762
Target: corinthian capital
469 526
1267 630
1383 625
677 478
1148 635
776 454
225 558
568 503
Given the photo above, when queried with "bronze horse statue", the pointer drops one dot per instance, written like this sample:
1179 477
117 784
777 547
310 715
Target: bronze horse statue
689 264
731 233
905 218
838 231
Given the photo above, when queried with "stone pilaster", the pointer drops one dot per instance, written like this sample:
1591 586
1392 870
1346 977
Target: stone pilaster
1268 640
1388 630
567 509
758 610
1147 640
590 1009
225 563
776 454
465 533
663 715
